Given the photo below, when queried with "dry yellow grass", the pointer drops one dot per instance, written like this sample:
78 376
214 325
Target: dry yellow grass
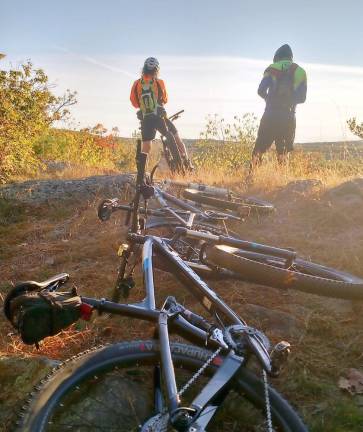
319 223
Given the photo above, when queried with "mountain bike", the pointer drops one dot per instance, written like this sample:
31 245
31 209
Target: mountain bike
170 210
176 162
215 255
162 385
222 198
228 201
142 219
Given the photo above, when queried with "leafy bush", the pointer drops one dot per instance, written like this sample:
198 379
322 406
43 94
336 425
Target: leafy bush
226 145
89 147
27 109
356 128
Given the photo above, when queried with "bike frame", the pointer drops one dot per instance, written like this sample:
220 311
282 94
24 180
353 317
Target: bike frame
172 316
186 214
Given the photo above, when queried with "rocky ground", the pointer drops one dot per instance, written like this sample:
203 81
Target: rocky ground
43 191
50 226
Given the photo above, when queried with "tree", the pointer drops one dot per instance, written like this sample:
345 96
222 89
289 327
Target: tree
355 128
99 130
27 109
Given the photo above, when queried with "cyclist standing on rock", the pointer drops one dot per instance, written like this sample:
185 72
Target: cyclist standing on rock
149 94
283 86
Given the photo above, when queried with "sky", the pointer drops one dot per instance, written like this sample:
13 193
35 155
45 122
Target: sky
212 56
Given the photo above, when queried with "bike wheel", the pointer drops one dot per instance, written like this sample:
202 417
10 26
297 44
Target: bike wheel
236 203
112 388
174 158
302 275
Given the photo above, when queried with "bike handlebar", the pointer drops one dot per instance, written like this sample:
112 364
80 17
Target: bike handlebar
176 115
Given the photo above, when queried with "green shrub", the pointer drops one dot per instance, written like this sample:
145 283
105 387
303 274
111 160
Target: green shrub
87 147
27 109
226 145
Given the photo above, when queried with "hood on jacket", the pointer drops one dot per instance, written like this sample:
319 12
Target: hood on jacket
283 53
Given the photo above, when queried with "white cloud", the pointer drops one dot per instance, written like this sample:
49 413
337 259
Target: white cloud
202 85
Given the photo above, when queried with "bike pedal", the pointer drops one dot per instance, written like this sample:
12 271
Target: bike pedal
126 286
122 248
279 356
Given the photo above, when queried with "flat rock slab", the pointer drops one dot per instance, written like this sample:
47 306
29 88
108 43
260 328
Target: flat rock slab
348 194
301 187
40 191
18 376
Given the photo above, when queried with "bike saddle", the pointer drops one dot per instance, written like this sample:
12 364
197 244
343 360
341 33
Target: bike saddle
61 278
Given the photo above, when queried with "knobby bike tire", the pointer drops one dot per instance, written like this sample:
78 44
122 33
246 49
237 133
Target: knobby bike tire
176 163
254 205
55 399
302 275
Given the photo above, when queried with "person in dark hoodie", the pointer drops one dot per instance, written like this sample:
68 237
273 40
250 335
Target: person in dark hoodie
283 86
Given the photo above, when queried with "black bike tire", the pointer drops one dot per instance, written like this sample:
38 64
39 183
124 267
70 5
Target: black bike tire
311 278
176 165
64 378
255 205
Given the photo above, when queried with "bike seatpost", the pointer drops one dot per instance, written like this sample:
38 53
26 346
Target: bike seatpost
141 164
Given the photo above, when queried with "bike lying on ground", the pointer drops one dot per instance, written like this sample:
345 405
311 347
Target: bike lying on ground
160 385
222 198
165 218
171 211
215 253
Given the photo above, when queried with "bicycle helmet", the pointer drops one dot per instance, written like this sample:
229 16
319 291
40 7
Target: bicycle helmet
151 64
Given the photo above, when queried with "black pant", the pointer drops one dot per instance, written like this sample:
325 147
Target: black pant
276 127
152 123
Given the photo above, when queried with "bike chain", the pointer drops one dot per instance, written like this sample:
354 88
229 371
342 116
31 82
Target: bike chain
159 423
199 372
267 401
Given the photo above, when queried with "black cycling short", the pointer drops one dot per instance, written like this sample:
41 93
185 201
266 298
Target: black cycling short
276 127
152 123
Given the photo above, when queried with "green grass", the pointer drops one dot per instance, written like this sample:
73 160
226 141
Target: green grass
11 213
